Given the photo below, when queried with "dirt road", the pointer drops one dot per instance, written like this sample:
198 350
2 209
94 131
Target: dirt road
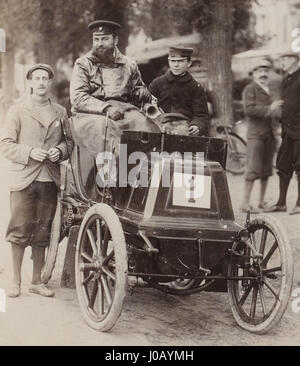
148 317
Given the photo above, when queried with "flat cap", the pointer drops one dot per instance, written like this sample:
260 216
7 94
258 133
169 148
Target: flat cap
45 67
180 52
262 63
290 53
104 27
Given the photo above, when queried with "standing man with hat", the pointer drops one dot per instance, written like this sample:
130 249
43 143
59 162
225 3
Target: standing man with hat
105 82
178 92
259 109
33 142
288 158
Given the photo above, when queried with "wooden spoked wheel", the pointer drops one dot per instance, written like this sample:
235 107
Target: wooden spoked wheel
259 303
101 267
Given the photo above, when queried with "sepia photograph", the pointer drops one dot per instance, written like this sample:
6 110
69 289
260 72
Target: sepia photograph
149 175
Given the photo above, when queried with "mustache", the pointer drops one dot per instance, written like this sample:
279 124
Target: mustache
103 50
103 54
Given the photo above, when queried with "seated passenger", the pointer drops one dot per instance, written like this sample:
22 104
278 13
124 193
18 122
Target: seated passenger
178 92
106 83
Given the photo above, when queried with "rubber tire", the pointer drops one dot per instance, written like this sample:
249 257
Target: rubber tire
115 227
175 286
287 262
55 239
241 141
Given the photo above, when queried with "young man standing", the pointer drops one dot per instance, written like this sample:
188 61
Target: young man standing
178 92
33 142
259 109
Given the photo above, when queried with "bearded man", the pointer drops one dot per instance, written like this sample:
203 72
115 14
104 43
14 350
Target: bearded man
106 83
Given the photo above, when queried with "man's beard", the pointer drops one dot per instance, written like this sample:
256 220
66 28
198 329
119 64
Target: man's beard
104 55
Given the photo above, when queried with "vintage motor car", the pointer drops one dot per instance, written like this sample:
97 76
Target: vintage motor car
167 235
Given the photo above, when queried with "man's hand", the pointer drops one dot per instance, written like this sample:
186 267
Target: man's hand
38 154
53 154
275 108
114 113
277 103
194 130
142 95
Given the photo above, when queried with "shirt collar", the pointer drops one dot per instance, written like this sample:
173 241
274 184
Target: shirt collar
180 78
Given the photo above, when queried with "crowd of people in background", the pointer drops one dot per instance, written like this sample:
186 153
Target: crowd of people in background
273 117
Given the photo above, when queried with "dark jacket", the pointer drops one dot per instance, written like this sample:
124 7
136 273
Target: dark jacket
23 131
182 94
291 106
256 107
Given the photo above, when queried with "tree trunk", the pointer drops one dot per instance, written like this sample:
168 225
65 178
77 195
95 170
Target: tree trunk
217 40
8 92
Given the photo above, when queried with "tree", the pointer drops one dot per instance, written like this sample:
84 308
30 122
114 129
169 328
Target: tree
53 30
223 26
217 39
10 17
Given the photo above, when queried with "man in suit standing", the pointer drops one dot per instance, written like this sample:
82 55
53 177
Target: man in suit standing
260 110
288 158
33 142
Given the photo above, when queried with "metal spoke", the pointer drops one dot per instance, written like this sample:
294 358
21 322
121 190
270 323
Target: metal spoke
253 302
105 241
109 273
92 241
253 240
87 257
93 294
87 279
269 255
108 258
99 236
100 298
263 240
106 290
245 295
262 298
271 288
270 270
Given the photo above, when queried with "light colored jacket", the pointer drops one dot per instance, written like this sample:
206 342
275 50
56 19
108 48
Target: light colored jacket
93 84
23 130
257 103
